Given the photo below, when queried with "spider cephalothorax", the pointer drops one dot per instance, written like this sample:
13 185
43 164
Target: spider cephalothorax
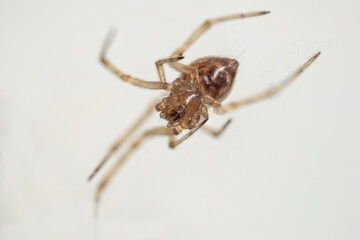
183 108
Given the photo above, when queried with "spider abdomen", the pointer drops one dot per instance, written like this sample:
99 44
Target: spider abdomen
215 76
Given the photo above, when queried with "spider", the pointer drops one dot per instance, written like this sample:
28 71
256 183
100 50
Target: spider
203 84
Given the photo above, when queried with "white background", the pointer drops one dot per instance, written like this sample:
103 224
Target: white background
287 168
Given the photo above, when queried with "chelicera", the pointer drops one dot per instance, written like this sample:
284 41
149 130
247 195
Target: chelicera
203 84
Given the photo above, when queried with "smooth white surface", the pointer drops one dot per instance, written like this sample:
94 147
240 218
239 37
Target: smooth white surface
287 168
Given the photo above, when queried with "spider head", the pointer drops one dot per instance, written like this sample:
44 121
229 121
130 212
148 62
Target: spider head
183 108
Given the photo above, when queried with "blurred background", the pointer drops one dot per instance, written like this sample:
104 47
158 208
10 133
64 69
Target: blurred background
286 168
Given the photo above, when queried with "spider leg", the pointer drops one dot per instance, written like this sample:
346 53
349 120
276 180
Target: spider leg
207 24
160 67
121 75
173 143
183 68
270 92
119 163
216 133
121 140
136 144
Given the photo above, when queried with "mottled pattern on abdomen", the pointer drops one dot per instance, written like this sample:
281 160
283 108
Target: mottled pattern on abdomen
216 76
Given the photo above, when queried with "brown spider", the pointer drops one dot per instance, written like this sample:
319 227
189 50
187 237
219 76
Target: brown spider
204 83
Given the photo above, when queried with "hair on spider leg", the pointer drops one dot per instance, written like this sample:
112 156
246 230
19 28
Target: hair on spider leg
202 85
